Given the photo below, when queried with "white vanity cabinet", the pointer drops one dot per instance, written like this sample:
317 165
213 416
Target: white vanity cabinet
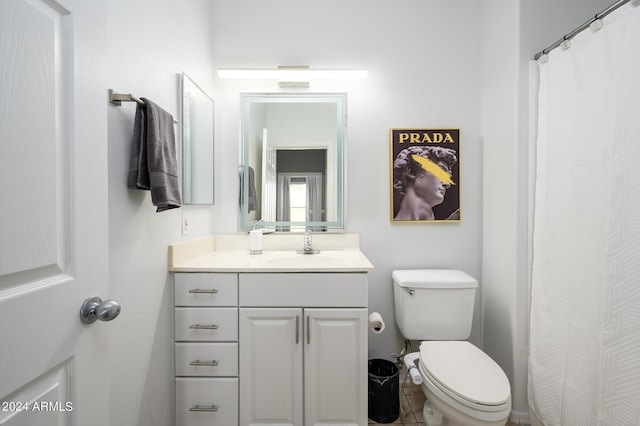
206 349
303 348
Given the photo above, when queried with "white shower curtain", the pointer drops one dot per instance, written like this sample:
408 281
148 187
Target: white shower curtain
584 364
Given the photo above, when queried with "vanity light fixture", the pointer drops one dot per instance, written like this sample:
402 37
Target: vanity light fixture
292 76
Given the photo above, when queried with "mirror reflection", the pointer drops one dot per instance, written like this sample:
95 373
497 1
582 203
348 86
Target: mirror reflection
197 144
292 155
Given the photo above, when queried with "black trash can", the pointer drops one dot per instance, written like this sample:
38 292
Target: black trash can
384 394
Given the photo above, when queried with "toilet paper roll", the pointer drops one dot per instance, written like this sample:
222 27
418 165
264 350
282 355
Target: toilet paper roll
376 323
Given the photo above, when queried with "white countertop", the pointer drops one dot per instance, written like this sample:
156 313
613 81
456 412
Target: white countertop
338 253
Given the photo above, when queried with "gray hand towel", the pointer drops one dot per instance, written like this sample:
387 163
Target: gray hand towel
253 196
154 161
138 177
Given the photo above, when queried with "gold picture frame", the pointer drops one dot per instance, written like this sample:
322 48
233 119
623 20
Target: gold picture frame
425 175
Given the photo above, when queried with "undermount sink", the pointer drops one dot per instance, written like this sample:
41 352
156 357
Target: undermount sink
323 259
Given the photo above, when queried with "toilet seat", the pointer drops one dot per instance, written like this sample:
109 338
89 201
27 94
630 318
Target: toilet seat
466 374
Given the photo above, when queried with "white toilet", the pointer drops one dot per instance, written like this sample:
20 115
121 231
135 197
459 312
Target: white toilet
460 381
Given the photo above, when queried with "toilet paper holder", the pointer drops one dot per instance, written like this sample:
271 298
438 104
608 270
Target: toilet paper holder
376 323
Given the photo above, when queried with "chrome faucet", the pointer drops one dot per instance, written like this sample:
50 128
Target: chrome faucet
308 243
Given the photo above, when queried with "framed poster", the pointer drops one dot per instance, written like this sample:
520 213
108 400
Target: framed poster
425 174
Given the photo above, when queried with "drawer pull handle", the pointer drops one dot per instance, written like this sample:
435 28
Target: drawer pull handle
204 408
201 291
198 363
203 327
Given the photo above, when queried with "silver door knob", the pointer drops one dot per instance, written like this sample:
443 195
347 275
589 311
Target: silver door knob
95 309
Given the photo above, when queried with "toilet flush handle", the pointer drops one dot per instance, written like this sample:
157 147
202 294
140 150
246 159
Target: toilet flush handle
409 290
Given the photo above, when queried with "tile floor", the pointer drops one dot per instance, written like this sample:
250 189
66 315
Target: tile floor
411 404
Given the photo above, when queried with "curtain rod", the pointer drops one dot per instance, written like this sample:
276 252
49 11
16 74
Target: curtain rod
584 26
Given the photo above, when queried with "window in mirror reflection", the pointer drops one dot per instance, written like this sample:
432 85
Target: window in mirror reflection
298 201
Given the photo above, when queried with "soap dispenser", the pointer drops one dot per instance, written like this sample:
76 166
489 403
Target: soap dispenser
255 239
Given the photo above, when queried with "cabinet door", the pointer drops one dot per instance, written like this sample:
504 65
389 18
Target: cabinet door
271 366
336 367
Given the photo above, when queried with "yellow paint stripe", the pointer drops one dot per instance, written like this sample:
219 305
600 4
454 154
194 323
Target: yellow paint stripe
434 169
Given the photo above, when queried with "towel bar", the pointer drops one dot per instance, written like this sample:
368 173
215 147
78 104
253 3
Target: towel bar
117 99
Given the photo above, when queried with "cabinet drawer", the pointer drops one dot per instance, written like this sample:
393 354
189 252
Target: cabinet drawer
309 289
206 324
206 359
203 289
206 401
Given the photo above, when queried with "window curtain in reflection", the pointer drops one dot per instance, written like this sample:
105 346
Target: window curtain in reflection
314 198
584 363
283 207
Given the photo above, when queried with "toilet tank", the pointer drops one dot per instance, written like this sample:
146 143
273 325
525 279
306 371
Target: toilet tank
434 304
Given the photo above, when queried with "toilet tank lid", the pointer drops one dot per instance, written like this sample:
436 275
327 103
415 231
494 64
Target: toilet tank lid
433 278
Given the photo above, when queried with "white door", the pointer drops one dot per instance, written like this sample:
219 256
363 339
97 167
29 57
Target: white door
53 212
269 176
335 363
271 380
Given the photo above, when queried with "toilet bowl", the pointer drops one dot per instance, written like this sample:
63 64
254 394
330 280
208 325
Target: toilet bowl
435 306
464 384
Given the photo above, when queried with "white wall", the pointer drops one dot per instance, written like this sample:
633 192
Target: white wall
424 72
512 33
149 43
505 337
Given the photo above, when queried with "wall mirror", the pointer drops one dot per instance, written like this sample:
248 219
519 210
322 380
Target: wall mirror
197 143
293 150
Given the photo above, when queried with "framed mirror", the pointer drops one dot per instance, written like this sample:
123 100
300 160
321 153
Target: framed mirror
197 143
292 161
